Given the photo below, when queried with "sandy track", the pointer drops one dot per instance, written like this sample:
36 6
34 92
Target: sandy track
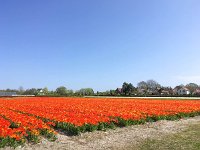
120 138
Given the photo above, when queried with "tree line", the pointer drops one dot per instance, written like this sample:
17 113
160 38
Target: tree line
143 88
60 91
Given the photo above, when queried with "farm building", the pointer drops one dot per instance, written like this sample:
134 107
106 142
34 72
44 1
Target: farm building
183 91
8 93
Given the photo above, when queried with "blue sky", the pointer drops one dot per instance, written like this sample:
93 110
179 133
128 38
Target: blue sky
98 44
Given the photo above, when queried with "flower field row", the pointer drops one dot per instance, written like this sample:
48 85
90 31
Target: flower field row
19 127
26 119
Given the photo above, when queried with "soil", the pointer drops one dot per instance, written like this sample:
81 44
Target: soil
118 139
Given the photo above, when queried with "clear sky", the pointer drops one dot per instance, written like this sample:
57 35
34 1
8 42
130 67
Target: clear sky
98 43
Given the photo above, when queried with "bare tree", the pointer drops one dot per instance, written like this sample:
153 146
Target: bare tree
152 84
192 87
142 85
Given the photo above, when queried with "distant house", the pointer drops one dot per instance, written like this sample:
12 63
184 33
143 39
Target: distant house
165 92
152 92
183 91
197 92
8 93
176 89
40 92
141 91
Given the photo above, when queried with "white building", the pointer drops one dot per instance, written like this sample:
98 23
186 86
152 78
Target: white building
183 91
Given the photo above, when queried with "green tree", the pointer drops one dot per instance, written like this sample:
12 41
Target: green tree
70 92
45 91
62 91
21 90
112 92
127 88
31 91
85 92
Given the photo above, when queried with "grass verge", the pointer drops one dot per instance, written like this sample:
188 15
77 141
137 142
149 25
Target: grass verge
185 140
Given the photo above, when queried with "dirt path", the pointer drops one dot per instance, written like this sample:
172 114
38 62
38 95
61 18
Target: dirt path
120 138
